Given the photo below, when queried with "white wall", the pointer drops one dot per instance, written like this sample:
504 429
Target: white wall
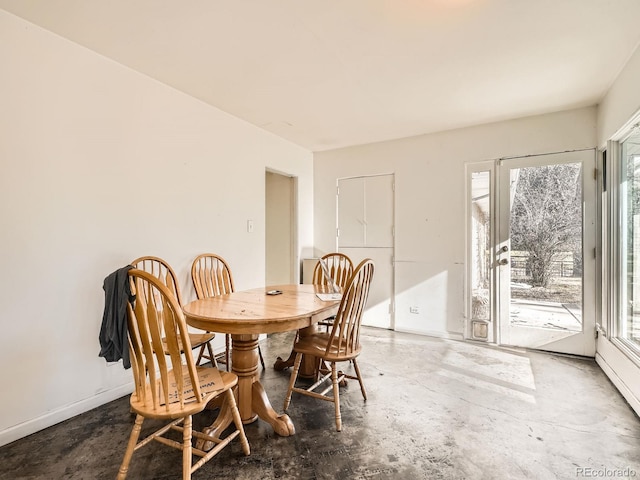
430 208
99 165
621 103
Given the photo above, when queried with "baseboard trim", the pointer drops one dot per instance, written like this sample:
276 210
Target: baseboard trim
633 401
34 425
445 335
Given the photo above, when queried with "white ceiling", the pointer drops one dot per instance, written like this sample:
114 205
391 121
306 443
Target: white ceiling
332 73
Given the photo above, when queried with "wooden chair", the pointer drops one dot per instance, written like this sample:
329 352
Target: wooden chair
340 345
163 272
173 392
340 268
211 276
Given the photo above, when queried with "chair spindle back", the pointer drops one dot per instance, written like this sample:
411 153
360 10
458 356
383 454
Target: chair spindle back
211 276
160 269
157 312
340 269
345 334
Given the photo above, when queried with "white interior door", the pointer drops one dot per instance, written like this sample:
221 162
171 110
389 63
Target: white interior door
365 230
545 252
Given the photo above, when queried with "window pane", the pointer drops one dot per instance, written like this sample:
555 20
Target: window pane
480 246
546 246
629 326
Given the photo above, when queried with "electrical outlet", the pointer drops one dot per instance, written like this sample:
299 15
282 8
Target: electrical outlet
414 309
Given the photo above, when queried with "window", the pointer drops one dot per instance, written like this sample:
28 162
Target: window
628 328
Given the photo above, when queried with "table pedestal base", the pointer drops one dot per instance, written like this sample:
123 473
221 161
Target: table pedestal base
252 400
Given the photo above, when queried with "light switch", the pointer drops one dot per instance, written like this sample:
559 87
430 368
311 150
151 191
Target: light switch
250 226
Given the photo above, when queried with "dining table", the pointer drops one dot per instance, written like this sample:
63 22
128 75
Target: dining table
246 315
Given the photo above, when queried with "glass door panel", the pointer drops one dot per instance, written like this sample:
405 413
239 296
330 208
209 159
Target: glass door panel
481 254
546 246
546 226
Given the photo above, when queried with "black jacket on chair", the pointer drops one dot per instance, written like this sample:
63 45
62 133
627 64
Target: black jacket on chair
114 344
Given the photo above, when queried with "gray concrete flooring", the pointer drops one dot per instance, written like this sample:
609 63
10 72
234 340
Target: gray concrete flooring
437 409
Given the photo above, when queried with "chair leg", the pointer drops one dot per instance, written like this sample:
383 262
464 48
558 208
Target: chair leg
227 352
336 395
322 368
238 422
357 369
186 448
200 354
292 380
131 446
261 359
211 355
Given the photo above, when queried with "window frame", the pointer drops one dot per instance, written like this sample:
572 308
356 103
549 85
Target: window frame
613 222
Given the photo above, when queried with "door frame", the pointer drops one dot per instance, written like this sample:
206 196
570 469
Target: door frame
479 329
494 327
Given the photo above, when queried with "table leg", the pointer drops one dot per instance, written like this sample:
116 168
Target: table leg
252 399
222 421
281 364
309 366
281 424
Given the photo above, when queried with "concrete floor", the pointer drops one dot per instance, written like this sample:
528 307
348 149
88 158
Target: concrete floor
437 409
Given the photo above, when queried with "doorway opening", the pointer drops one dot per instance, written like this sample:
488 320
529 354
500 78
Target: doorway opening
280 229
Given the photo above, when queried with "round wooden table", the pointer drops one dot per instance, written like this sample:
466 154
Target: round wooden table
245 315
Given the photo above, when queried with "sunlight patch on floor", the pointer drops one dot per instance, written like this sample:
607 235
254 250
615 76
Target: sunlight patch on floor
499 371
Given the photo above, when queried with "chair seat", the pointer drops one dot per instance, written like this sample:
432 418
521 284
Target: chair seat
175 410
196 339
316 345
